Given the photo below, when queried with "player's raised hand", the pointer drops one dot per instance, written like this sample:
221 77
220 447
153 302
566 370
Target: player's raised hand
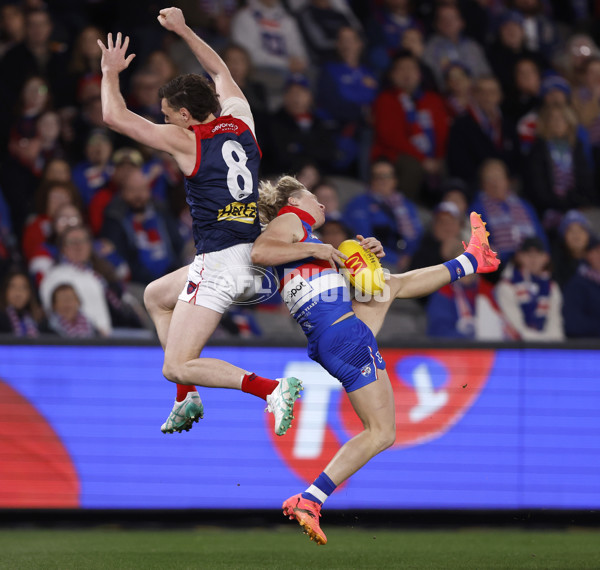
114 55
372 244
172 19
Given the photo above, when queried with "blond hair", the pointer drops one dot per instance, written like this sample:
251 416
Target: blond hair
273 197
543 122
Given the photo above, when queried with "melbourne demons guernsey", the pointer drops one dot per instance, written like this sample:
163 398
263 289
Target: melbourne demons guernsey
222 191
315 293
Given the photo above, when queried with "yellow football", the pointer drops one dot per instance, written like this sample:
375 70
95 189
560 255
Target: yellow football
362 268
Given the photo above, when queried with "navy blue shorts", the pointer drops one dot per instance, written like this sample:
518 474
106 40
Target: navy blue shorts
348 351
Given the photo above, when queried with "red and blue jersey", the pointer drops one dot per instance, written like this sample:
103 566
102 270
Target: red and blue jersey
315 293
222 191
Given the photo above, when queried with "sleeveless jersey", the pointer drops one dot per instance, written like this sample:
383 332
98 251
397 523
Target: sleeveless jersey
222 191
315 294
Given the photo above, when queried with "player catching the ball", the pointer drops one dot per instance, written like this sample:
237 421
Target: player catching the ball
220 159
341 331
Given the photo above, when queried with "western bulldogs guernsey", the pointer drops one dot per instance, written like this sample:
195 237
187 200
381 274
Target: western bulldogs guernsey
315 294
222 192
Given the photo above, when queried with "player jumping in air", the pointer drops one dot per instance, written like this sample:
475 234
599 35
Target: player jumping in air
340 331
220 159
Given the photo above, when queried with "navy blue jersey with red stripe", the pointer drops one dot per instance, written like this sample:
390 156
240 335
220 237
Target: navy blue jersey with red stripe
222 192
315 293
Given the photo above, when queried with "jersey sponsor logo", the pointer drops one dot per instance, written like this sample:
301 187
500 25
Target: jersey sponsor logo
433 390
238 212
355 263
224 127
295 289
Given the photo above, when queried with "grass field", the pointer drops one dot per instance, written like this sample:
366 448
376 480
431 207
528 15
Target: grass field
286 547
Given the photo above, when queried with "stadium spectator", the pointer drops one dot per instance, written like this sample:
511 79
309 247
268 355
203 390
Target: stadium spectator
586 100
48 198
554 91
443 240
309 175
449 45
571 60
274 42
386 214
143 95
509 48
509 218
529 298
37 54
47 255
558 175
17 177
466 309
481 133
239 63
458 86
328 195
569 250
95 171
541 34
57 170
296 135
20 313
12 26
387 26
124 160
527 90
581 309
345 92
103 299
162 65
143 233
414 42
411 127
334 232
66 318
84 66
320 23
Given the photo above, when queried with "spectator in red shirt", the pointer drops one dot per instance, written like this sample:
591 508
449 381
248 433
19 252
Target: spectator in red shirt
411 126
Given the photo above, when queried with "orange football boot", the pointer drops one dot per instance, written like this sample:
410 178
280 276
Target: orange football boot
307 514
479 247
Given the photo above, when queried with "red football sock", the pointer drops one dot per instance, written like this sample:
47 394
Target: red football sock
257 385
183 391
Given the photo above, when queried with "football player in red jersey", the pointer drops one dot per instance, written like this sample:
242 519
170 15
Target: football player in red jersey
220 158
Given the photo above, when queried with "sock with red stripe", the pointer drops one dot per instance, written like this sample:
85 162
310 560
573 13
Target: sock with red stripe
257 385
183 391
322 487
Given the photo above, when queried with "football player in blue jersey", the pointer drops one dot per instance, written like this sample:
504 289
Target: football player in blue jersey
340 330
220 158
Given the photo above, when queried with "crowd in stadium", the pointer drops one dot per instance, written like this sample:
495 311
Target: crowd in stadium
401 116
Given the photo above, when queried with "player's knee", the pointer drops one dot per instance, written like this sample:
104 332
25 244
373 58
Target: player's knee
386 436
172 372
151 297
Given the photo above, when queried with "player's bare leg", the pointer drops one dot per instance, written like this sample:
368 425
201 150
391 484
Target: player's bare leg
422 282
374 405
160 298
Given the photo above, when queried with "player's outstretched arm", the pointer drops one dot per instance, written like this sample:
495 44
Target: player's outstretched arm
118 117
173 20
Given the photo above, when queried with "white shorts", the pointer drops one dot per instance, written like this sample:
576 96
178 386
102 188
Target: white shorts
220 278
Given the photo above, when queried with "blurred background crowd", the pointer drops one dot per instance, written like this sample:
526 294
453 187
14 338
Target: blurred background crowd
401 116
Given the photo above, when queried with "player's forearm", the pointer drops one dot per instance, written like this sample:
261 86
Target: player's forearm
268 251
114 109
209 59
